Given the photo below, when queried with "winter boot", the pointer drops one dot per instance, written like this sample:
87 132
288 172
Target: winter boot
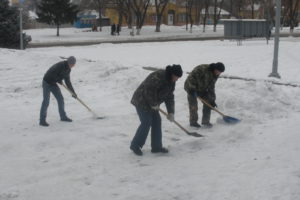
161 150
207 125
195 124
66 119
43 123
136 150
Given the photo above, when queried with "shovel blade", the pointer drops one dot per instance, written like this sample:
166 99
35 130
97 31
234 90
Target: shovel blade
195 134
231 120
98 117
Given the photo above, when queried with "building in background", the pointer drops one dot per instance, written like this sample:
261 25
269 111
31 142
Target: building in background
89 19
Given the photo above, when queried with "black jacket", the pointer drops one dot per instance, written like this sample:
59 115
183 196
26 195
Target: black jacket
58 72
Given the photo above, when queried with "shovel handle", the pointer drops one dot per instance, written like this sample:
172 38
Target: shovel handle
163 112
206 103
80 101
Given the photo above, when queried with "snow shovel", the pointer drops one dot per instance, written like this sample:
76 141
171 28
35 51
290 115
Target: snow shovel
227 119
94 114
187 132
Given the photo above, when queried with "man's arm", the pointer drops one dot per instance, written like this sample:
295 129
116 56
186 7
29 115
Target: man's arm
69 85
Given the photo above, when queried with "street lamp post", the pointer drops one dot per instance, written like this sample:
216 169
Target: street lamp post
21 29
276 42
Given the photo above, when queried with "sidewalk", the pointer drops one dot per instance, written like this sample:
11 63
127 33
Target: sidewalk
79 37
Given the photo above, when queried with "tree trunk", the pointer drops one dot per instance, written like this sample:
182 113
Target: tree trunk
57 30
252 10
159 9
215 16
129 20
120 21
204 19
158 23
190 7
100 20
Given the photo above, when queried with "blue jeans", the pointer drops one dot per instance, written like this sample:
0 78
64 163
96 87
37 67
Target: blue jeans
148 119
47 88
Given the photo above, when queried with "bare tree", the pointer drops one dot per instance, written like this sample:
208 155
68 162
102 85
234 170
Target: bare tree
140 8
252 3
100 5
217 12
231 8
128 13
189 8
268 12
291 7
120 6
160 6
239 5
206 14
198 7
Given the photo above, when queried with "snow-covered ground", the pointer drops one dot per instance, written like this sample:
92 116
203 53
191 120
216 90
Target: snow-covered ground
257 159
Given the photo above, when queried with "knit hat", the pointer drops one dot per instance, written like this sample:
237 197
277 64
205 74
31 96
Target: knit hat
71 60
174 69
217 66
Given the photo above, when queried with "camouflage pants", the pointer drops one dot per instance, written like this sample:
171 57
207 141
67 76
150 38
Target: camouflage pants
193 107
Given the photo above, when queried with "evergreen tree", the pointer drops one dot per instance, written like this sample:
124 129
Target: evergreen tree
56 12
9 26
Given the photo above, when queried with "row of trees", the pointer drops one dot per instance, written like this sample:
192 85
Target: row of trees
134 12
136 9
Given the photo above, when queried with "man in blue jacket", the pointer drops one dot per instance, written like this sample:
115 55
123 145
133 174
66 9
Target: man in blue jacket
55 74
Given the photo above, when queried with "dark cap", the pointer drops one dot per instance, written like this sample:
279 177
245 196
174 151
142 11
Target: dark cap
71 60
217 66
175 70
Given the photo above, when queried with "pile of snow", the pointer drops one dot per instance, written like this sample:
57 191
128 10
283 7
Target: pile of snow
90 159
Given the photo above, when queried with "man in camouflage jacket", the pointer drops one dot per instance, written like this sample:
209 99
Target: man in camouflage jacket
157 88
201 83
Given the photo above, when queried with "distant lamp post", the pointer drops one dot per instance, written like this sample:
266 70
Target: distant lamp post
276 42
21 24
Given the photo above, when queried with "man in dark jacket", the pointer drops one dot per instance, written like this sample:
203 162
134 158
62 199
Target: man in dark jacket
201 82
55 74
157 88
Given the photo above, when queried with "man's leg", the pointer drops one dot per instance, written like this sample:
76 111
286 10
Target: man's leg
141 134
193 108
156 135
60 101
45 104
206 115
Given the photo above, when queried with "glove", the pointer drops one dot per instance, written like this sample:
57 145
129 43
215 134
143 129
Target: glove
74 95
155 107
213 104
170 117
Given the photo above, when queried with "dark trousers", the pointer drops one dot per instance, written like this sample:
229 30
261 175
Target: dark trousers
148 119
54 89
193 108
